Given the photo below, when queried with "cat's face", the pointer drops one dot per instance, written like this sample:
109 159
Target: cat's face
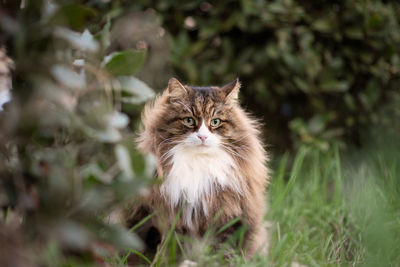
199 118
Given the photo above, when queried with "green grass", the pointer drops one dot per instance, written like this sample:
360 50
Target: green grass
324 210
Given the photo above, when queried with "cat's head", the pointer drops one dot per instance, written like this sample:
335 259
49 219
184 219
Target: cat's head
201 118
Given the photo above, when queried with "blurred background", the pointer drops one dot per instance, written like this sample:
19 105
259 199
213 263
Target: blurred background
314 73
320 75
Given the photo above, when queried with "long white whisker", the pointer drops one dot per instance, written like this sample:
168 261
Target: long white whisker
169 154
232 152
169 142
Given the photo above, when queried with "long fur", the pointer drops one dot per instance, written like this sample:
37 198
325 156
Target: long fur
193 185
225 176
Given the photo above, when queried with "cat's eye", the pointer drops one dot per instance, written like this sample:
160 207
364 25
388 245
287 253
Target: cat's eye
188 121
215 122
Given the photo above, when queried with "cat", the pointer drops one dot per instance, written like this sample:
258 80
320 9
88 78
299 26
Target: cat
211 164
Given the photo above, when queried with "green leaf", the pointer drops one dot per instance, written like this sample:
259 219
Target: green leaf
125 62
335 86
316 124
375 22
354 33
73 16
303 85
322 25
121 237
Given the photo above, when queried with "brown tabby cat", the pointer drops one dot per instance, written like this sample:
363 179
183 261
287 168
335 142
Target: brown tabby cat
210 162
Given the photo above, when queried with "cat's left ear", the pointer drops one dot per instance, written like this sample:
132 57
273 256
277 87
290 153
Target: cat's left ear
231 90
176 89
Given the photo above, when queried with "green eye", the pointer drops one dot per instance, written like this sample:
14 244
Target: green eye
188 121
215 122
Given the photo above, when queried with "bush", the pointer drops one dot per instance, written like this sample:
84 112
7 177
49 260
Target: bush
67 155
315 72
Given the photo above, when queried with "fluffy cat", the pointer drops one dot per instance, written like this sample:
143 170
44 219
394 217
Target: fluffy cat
210 163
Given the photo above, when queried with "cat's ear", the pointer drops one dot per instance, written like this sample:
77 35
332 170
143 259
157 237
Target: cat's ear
231 90
176 89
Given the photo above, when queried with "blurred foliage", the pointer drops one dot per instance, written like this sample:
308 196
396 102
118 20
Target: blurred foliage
315 72
67 153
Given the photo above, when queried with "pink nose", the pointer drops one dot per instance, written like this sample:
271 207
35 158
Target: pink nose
202 137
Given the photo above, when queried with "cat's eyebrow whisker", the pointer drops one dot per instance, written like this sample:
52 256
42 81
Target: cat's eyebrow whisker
180 102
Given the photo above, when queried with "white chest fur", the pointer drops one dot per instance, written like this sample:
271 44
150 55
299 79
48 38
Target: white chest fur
196 175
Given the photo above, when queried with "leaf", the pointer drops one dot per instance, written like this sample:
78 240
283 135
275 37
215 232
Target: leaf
293 62
118 120
104 36
124 161
316 124
121 237
49 9
125 62
5 96
73 16
138 91
107 135
84 42
68 77
94 171
335 86
354 33
350 103
322 25
303 85
375 22
138 161
72 235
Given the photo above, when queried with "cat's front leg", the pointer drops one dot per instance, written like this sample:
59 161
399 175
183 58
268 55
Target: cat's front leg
257 240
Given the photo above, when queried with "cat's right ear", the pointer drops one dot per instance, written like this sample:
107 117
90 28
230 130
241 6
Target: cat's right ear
231 90
176 89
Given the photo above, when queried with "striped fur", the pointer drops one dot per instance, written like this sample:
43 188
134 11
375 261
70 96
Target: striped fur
225 175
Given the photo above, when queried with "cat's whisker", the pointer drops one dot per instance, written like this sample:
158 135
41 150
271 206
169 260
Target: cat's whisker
239 148
236 147
170 141
169 154
232 152
166 139
165 156
232 141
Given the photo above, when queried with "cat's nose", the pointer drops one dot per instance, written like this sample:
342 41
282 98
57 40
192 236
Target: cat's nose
202 137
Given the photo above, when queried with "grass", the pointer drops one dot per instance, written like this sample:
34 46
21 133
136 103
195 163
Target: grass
324 210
